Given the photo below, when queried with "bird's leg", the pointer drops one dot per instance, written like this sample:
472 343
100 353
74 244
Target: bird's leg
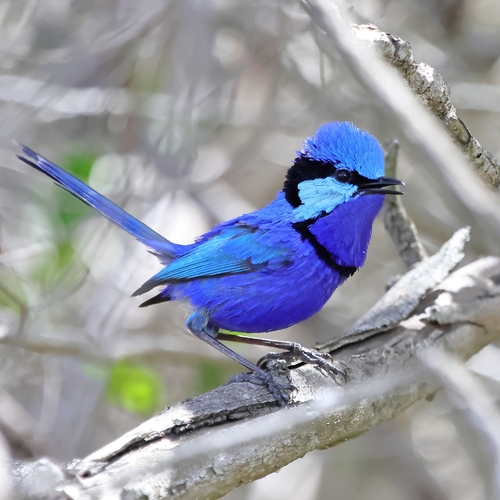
201 328
322 360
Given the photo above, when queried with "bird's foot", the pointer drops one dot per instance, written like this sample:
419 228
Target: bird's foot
297 353
274 377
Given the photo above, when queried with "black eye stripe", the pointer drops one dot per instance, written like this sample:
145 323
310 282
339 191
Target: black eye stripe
305 169
358 179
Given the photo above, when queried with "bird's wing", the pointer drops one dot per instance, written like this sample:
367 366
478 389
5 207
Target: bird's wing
239 248
157 243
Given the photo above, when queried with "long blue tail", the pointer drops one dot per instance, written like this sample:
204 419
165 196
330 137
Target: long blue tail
163 248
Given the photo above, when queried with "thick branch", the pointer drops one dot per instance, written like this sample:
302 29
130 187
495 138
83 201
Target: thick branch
186 453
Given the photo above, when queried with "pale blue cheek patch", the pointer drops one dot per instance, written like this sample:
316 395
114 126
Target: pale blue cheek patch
321 196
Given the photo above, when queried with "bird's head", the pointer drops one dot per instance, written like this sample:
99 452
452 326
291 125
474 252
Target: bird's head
338 163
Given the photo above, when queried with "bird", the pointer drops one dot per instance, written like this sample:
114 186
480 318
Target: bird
276 266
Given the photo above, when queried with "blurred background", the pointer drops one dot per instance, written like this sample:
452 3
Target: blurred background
187 113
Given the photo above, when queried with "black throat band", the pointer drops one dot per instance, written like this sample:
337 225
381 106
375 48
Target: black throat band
303 229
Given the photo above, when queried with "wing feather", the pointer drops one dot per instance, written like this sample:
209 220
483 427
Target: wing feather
239 248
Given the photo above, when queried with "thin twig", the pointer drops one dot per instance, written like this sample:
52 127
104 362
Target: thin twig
100 352
396 220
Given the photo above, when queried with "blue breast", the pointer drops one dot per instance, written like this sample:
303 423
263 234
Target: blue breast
347 230
267 299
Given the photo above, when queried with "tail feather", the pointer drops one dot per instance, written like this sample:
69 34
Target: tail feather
160 245
157 299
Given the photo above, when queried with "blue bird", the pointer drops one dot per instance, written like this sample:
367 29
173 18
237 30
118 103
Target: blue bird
277 266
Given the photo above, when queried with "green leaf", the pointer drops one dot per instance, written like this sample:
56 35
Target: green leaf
79 164
134 387
54 264
71 210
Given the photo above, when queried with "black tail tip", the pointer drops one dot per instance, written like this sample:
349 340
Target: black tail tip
157 299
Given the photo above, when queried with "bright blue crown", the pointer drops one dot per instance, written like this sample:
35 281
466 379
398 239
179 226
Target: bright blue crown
346 146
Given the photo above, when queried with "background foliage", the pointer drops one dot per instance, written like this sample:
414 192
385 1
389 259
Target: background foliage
188 113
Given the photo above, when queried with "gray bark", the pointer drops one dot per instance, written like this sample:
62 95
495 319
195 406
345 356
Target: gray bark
207 446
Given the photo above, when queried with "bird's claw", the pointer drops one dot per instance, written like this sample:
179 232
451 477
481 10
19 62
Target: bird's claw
274 377
322 360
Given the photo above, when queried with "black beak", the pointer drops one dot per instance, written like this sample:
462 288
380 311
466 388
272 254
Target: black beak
376 186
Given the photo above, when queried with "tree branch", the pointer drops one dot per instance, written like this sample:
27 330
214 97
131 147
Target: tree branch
434 92
186 452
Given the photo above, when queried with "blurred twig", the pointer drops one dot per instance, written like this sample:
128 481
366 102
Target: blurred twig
15 419
476 402
120 349
5 480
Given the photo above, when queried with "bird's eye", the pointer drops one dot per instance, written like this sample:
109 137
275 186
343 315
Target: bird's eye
343 175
